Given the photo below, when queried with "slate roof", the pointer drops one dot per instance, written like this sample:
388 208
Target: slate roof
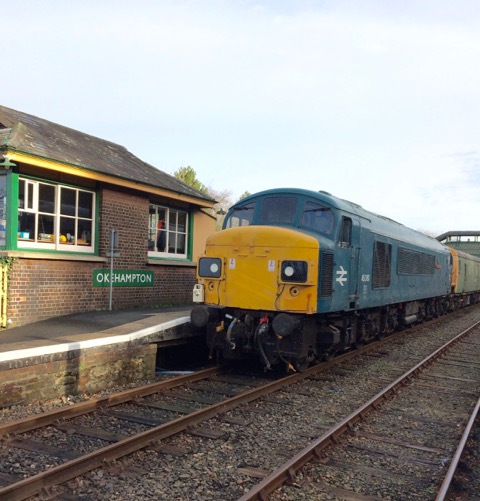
32 135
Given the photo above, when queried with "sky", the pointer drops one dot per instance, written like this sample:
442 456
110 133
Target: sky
374 101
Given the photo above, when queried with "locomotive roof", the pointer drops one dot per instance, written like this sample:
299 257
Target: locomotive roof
377 223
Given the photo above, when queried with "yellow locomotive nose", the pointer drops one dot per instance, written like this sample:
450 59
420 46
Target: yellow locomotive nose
261 268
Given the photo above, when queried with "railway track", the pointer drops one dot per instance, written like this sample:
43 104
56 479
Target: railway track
398 444
120 407
172 435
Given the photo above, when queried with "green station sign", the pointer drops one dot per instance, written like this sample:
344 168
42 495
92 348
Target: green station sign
123 278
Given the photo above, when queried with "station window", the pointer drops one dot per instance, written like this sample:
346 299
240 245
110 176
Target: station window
55 217
167 232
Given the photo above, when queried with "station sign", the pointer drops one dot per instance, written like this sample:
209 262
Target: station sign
123 278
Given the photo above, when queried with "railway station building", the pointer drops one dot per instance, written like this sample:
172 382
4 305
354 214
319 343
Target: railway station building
85 225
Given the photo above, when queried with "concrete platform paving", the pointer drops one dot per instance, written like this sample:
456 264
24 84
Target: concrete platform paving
87 330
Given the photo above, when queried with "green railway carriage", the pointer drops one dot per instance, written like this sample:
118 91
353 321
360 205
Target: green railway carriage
465 278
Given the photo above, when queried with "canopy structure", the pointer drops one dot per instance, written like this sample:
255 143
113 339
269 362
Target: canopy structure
466 241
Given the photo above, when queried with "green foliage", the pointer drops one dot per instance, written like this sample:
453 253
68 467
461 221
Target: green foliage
7 262
6 265
189 176
222 198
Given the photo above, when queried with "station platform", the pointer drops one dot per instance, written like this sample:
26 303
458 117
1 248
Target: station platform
81 331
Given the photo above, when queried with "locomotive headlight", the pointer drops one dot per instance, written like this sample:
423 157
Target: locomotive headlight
294 271
210 267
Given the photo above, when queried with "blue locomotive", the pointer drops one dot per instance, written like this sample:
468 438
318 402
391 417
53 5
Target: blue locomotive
297 275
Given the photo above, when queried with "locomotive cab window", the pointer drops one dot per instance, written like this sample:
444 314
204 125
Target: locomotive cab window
345 236
278 210
318 217
241 216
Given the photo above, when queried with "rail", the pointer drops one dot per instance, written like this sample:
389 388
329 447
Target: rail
447 482
287 472
35 484
59 474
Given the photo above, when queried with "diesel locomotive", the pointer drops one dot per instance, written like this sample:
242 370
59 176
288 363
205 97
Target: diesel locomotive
296 276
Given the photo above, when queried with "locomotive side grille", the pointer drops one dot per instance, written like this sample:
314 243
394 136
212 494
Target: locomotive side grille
382 259
415 263
326 271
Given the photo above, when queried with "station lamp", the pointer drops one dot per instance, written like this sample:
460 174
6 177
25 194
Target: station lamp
6 163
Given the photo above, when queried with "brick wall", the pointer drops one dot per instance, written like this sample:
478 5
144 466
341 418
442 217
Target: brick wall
40 289
44 288
128 214
75 373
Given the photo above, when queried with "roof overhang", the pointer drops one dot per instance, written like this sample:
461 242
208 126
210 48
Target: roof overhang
85 173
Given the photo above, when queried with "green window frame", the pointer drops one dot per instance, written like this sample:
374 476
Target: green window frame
55 217
3 209
168 232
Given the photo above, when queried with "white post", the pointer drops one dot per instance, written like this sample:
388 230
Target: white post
113 246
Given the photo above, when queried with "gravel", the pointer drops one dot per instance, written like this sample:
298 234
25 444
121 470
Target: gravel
274 430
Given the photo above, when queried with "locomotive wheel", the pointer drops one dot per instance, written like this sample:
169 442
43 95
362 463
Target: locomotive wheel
328 355
301 364
219 357
358 343
387 326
